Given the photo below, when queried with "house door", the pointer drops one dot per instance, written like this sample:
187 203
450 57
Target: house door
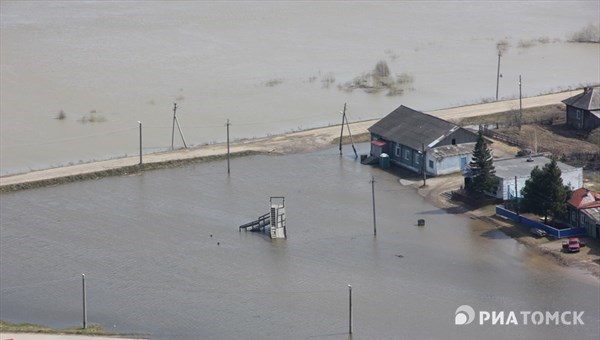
463 163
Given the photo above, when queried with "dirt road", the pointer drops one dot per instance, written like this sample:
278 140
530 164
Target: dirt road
302 141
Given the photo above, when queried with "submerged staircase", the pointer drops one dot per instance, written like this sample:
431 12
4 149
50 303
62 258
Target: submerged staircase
274 219
259 224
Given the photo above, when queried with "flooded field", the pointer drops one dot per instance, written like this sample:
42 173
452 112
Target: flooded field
269 67
162 255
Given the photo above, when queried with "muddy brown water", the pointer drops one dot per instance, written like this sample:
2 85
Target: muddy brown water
162 255
118 63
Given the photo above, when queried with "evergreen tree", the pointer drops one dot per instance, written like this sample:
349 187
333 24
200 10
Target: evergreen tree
544 193
481 168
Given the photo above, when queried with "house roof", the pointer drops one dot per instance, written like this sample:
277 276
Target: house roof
593 214
520 167
583 198
588 100
413 128
445 151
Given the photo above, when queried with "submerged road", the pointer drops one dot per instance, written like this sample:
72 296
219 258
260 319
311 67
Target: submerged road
302 141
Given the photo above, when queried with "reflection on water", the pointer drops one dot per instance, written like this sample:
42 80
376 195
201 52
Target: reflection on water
162 254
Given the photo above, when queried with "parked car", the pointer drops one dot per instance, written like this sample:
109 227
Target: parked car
573 245
538 232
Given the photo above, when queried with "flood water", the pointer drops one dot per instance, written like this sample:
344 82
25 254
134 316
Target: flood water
162 255
260 64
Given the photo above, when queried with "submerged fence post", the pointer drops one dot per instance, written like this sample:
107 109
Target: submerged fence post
84 301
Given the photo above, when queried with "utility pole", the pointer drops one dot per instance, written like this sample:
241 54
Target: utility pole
498 74
342 131
350 133
516 197
228 169
173 129
423 158
520 104
140 123
175 121
84 302
374 218
350 309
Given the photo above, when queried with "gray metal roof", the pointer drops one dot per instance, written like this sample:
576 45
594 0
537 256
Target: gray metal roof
520 167
446 151
593 213
588 100
412 128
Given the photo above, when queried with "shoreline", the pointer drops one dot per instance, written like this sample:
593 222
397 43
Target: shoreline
295 142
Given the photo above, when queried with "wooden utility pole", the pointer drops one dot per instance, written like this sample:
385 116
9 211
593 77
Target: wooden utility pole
84 302
342 131
423 168
140 123
498 74
350 309
173 129
520 104
228 169
175 121
373 195
350 133
516 197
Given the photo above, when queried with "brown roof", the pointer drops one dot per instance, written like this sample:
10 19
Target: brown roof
583 198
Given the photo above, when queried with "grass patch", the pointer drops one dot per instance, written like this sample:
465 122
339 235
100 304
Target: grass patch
360 138
541 114
7 327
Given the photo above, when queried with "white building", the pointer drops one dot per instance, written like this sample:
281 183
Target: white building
515 171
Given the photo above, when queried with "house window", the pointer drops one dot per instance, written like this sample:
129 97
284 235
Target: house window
453 141
418 159
578 114
407 155
398 151
582 220
430 164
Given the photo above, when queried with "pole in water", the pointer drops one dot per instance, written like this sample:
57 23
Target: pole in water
349 133
173 129
140 123
373 194
520 104
84 301
498 74
342 132
228 169
349 309
181 133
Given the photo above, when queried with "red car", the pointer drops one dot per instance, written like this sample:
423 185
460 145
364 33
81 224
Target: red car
574 245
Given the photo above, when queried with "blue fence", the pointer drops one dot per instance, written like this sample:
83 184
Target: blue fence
558 233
